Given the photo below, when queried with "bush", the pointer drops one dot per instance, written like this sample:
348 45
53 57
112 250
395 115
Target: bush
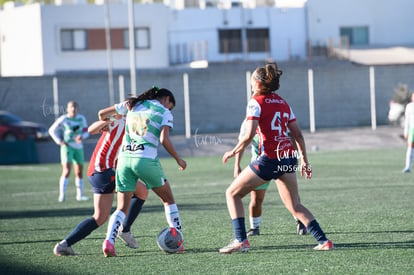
401 94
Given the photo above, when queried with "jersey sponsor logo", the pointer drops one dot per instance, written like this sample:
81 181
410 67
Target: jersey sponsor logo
274 101
132 147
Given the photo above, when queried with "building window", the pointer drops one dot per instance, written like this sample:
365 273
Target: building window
355 35
257 40
97 39
73 40
142 38
230 41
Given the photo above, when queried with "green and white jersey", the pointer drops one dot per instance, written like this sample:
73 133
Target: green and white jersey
409 118
66 128
143 128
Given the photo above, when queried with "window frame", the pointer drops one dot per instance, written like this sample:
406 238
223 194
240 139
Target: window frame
234 38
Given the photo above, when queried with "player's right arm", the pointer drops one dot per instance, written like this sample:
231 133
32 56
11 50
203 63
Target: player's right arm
105 114
239 155
98 126
237 160
297 135
55 131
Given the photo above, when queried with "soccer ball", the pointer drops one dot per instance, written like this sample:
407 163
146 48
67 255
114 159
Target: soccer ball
170 240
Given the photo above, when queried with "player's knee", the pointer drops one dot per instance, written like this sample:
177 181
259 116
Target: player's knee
100 219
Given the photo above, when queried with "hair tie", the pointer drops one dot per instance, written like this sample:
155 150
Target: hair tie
155 87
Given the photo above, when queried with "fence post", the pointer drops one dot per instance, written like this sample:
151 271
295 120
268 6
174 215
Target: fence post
55 98
311 101
121 84
186 106
372 97
248 86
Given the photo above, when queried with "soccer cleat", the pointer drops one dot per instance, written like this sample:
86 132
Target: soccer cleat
82 198
108 249
127 239
235 246
406 170
253 232
61 250
300 228
61 198
327 245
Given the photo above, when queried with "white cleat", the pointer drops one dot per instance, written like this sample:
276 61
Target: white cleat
127 239
235 246
82 198
61 250
328 245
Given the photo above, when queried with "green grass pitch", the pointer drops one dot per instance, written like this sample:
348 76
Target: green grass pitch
360 198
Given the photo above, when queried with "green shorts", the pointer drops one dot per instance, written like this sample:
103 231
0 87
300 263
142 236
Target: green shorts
263 186
411 135
69 154
129 170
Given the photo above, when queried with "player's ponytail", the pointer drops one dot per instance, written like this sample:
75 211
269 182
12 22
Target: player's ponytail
153 93
269 77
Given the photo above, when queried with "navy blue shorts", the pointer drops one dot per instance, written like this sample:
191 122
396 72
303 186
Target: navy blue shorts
103 182
268 169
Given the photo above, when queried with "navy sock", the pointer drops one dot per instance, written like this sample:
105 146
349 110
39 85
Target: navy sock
83 229
133 212
239 229
316 231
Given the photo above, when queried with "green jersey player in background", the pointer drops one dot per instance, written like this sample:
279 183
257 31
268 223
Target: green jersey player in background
69 131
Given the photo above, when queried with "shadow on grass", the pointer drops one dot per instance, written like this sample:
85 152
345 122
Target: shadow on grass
347 246
371 232
12 268
376 245
89 211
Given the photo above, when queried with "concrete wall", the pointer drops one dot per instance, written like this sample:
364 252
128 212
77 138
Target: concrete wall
218 94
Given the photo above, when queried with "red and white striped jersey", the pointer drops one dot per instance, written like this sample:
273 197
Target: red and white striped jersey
106 150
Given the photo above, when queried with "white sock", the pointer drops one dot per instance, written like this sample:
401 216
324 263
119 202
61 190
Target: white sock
408 157
254 222
63 185
115 221
172 216
79 187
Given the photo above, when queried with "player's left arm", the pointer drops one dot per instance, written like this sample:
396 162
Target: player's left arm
166 142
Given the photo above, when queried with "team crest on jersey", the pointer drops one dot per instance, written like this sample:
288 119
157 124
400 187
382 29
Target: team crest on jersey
139 124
